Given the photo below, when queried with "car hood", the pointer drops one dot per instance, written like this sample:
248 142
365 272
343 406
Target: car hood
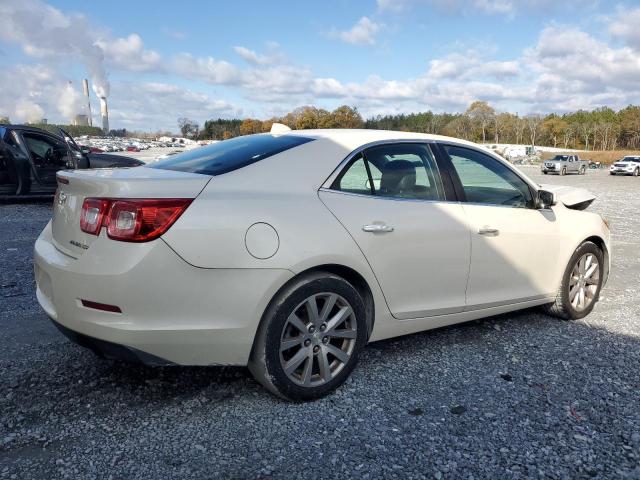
571 197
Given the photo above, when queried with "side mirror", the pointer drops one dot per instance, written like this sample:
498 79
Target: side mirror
546 199
85 150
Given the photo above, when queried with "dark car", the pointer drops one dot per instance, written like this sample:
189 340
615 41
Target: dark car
30 158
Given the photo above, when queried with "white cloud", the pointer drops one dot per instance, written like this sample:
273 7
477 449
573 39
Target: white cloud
494 6
507 8
626 26
158 105
45 32
128 53
362 33
43 92
572 70
251 56
208 69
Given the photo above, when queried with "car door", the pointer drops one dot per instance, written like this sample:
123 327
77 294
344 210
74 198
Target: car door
48 155
514 256
391 200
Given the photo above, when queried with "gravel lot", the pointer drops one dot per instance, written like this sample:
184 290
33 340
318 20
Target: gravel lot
516 396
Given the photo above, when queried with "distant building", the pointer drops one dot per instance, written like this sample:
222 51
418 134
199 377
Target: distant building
81 120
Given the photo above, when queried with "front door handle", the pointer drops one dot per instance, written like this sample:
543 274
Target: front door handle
489 232
377 228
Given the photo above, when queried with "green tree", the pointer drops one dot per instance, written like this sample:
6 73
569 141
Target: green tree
250 126
482 115
346 117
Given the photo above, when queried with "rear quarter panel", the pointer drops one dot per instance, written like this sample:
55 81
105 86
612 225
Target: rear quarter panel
281 191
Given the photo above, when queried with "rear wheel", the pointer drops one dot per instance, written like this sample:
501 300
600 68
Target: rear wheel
309 340
581 284
583 170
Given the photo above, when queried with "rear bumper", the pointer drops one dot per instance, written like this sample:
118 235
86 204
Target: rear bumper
114 351
170 310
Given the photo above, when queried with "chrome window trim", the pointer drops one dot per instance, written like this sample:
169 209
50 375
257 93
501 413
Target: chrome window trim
380 197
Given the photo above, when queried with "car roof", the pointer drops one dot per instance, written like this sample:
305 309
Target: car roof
353 137
27 128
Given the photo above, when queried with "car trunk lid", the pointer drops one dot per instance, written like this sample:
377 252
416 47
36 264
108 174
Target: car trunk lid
76 185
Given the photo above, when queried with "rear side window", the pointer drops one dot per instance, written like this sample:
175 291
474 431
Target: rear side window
402 170
229 155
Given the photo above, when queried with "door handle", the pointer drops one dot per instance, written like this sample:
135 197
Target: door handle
489 232
377 228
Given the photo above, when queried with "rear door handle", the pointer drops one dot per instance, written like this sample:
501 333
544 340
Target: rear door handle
489 232
377 228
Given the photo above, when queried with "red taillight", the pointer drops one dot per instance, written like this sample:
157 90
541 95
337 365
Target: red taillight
92 215
143 220
131 220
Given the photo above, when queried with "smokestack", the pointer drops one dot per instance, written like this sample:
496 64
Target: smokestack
104 112
85 90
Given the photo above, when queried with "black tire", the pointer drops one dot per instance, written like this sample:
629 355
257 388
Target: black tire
265 363
636 172
563 171
545 172
583 170
562 307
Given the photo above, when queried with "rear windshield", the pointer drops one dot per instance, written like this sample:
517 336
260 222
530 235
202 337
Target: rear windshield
229 155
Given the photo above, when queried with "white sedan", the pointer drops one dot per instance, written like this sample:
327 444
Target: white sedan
289 251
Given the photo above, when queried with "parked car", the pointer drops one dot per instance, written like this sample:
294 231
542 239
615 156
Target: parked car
30 159
629 165
289 252
563 164
595 165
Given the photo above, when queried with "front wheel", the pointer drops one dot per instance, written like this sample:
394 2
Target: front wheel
563 171
636 172
309 339
581 284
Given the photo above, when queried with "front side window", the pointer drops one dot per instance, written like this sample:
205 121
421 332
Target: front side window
46 151
403 170
229 155
485 180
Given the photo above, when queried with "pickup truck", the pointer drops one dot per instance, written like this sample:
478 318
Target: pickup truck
629 165
563 164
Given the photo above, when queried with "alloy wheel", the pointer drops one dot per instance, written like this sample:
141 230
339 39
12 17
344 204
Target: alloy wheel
318 339
584 281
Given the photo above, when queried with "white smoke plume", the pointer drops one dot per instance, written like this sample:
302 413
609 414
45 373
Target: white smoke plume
70 102
45 32
29 110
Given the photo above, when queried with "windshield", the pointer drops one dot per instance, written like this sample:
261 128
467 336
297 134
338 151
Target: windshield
229 155
561 158
631 159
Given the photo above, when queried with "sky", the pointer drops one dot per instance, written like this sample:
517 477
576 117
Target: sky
212 59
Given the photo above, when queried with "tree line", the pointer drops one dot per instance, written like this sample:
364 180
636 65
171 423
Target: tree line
599 129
